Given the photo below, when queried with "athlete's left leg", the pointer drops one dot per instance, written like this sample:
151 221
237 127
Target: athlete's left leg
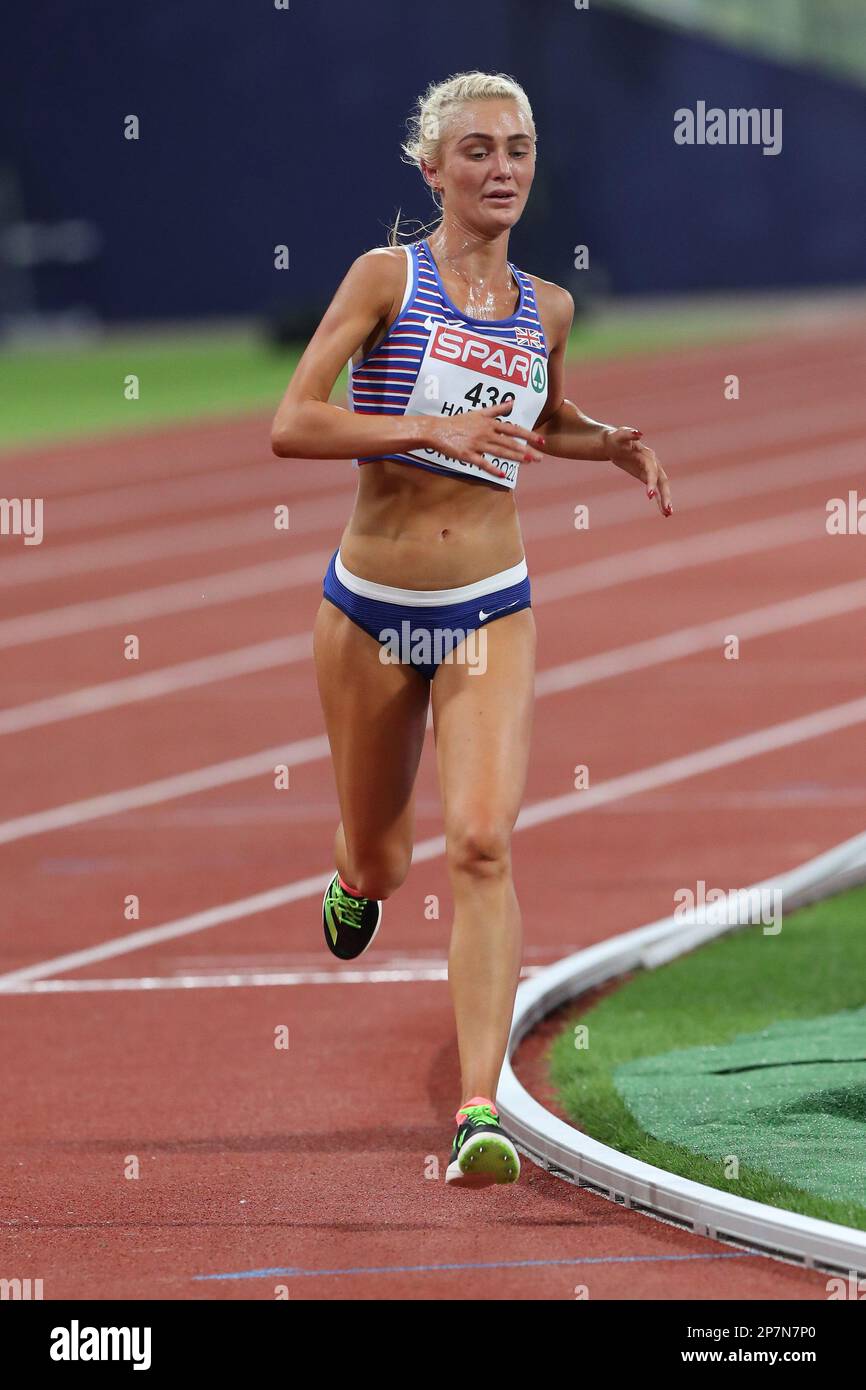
483 726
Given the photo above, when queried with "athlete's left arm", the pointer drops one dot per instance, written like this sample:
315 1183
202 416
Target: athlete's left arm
570 434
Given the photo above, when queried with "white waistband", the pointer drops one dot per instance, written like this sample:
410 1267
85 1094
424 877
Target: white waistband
426 598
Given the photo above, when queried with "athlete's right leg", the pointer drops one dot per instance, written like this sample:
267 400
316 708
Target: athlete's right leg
375 714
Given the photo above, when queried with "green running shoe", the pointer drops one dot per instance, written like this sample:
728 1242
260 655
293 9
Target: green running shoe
350 923
482 1152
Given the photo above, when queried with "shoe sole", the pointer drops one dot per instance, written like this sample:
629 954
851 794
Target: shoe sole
484 1161
330 944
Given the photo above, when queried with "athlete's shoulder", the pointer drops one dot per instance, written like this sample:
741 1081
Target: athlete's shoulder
375 281
382 264
379 274
383 256
555 306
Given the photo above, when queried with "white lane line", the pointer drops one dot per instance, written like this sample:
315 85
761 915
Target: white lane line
256 527
813 607
734 750
385 975
142 547
151 685
262 656
202 492
184 926
727 484
233 981
671 770
607 508
220 438
653 651
138 501
708 548
228 586
153 454
165 789
277 575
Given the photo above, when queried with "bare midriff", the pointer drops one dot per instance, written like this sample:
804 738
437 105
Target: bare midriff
414 529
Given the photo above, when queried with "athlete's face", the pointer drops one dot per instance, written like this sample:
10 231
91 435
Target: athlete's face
487 164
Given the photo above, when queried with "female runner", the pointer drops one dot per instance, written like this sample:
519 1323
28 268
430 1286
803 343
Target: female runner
456 378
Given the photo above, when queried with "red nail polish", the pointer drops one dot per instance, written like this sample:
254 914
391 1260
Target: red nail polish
651 493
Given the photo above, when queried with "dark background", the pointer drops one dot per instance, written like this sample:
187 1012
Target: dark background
262 126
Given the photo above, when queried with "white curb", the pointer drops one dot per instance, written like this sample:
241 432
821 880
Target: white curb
558 1147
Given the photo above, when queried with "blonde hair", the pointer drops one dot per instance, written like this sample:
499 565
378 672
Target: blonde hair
427 123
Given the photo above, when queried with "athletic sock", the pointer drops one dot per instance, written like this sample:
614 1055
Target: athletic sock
347 887
476 1100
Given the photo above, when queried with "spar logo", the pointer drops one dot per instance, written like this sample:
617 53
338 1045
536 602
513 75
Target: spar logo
486 356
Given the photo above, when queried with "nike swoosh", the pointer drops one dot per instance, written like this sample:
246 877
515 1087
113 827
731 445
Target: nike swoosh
482 616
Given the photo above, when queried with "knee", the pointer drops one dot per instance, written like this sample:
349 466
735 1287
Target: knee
479 847
379 874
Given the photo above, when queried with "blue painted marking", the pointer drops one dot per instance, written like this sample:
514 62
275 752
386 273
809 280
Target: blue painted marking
493 1264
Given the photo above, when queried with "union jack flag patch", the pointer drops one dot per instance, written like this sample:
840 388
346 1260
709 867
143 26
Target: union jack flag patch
528 337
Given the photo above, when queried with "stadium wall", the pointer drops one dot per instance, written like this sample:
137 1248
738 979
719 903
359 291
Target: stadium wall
262 126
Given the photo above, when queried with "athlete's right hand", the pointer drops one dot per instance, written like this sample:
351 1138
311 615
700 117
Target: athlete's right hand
468 437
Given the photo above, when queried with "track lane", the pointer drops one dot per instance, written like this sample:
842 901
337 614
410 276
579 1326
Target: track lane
302 1164
654 566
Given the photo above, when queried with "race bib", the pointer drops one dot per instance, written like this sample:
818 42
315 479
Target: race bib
463 371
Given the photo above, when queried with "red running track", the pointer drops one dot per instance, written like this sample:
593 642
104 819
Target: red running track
148 1044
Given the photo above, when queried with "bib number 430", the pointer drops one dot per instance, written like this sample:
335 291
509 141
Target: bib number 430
492 392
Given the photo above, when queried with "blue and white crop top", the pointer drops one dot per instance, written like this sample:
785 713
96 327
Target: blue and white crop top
435 360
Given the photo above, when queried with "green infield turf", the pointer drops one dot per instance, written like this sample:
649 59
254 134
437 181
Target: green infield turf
741 1065
69 391
61 393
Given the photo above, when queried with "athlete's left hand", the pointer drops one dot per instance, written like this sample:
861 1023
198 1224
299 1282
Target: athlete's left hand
623 447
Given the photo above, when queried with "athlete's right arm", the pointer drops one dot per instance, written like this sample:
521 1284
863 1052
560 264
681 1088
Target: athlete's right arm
308 425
